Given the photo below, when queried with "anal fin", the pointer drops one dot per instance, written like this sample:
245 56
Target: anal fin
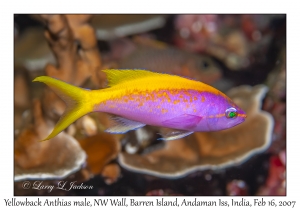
123 125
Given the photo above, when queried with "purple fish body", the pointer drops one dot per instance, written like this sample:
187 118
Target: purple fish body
184 109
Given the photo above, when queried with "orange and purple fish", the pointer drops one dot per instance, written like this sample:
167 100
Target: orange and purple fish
140 97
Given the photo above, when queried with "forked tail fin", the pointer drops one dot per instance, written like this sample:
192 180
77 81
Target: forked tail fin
76 99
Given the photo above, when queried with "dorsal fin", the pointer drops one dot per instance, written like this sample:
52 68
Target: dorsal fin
117 76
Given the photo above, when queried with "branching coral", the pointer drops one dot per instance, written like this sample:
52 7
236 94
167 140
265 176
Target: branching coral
32 51
74 45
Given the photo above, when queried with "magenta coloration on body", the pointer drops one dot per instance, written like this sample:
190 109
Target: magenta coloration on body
200 111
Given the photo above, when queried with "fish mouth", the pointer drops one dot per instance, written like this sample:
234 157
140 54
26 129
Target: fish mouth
242 115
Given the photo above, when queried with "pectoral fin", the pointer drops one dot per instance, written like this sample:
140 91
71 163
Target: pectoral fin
171 134
122 125
184 121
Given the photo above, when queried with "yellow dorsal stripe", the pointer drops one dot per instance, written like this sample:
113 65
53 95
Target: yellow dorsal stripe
119 80
117 76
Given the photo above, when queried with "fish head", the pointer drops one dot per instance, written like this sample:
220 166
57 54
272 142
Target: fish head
224 114
204 68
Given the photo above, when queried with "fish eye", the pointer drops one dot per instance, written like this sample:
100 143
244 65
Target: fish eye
231 113
205 64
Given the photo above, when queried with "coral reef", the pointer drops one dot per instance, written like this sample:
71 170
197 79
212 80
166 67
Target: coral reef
109 146
32 50
74 45
276 183
48 160
237 40
225 51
